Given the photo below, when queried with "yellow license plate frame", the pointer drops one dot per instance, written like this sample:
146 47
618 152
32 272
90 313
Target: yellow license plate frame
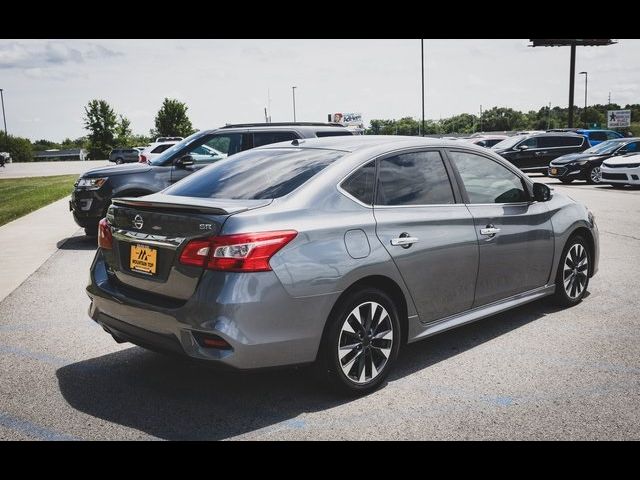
143 259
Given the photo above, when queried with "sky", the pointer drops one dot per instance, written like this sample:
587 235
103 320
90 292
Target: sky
47 83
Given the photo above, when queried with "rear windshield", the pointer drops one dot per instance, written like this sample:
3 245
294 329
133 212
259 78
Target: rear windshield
508 142
256 174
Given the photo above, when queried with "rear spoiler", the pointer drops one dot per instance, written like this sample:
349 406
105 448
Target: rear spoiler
147 205
190 204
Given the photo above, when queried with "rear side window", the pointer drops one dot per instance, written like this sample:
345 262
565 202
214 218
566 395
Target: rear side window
256 174
161 148
360 184
612 135
598 136
267 138
418 178
336 133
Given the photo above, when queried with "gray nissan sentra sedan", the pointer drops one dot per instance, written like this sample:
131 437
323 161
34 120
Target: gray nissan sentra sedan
335 251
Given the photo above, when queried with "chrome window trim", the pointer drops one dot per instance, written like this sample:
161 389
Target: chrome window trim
147 238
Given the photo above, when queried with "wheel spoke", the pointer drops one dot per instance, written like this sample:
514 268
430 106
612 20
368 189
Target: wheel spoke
384 351
377 315
383 335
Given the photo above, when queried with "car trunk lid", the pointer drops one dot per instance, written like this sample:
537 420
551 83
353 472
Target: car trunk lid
150 232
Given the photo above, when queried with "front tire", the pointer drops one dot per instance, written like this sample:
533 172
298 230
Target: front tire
362 342
91 231
119 161
594 177
572 278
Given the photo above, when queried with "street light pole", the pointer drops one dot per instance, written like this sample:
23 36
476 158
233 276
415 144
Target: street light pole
293 90
422 59
6 137
586 77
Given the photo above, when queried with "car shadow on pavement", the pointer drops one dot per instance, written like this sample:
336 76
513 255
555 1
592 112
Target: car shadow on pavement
172 398
78 242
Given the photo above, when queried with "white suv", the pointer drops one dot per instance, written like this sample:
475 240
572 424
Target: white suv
154 149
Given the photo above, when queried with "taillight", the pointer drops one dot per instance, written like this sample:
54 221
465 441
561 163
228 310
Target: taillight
105 239
142 159
243 252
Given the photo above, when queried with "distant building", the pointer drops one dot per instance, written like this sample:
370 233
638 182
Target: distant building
55 155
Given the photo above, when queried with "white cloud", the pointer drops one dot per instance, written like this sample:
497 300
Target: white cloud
225 81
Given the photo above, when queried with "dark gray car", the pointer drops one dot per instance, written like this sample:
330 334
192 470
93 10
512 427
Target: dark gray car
124 155
335 251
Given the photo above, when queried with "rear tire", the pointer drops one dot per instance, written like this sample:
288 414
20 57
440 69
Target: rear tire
91 231
361 343
119 161
572 278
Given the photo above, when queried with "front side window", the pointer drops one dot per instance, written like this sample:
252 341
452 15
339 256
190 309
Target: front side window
256 174
418 178
486 181
530 142
632 147
360 184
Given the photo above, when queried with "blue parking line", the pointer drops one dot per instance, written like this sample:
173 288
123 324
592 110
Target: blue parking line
41 357
33 430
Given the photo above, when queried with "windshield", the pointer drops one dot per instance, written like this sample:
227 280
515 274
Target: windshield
508 142
162 158
256 174
605 147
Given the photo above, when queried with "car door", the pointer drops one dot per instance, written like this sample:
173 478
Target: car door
223 144
514 234
525 154
429 235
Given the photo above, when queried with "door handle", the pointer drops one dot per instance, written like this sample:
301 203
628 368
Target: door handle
489 230
405 242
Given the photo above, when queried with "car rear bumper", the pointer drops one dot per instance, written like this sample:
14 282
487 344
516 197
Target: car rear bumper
627 176
253 313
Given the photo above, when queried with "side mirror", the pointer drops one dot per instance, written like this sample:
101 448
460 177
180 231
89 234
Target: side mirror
541 192
523 147
185 161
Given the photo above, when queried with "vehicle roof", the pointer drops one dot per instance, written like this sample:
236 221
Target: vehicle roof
354 143
624 139
307 128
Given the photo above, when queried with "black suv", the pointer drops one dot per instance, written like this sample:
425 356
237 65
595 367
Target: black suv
533 152
586 165
94 190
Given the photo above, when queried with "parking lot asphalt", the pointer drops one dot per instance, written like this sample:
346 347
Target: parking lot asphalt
48 169
536 372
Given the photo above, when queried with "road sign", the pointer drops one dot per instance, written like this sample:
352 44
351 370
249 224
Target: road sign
618 118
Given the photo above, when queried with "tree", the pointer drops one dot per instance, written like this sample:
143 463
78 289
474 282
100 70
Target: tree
123 132
102 123
19 148
172 120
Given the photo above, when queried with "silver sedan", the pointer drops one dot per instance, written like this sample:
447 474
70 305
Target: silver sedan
335 251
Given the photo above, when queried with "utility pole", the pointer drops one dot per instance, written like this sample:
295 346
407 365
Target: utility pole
609 98
422 59
549 117
572 81
480 118
266 118
4 118
269 104
293 89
